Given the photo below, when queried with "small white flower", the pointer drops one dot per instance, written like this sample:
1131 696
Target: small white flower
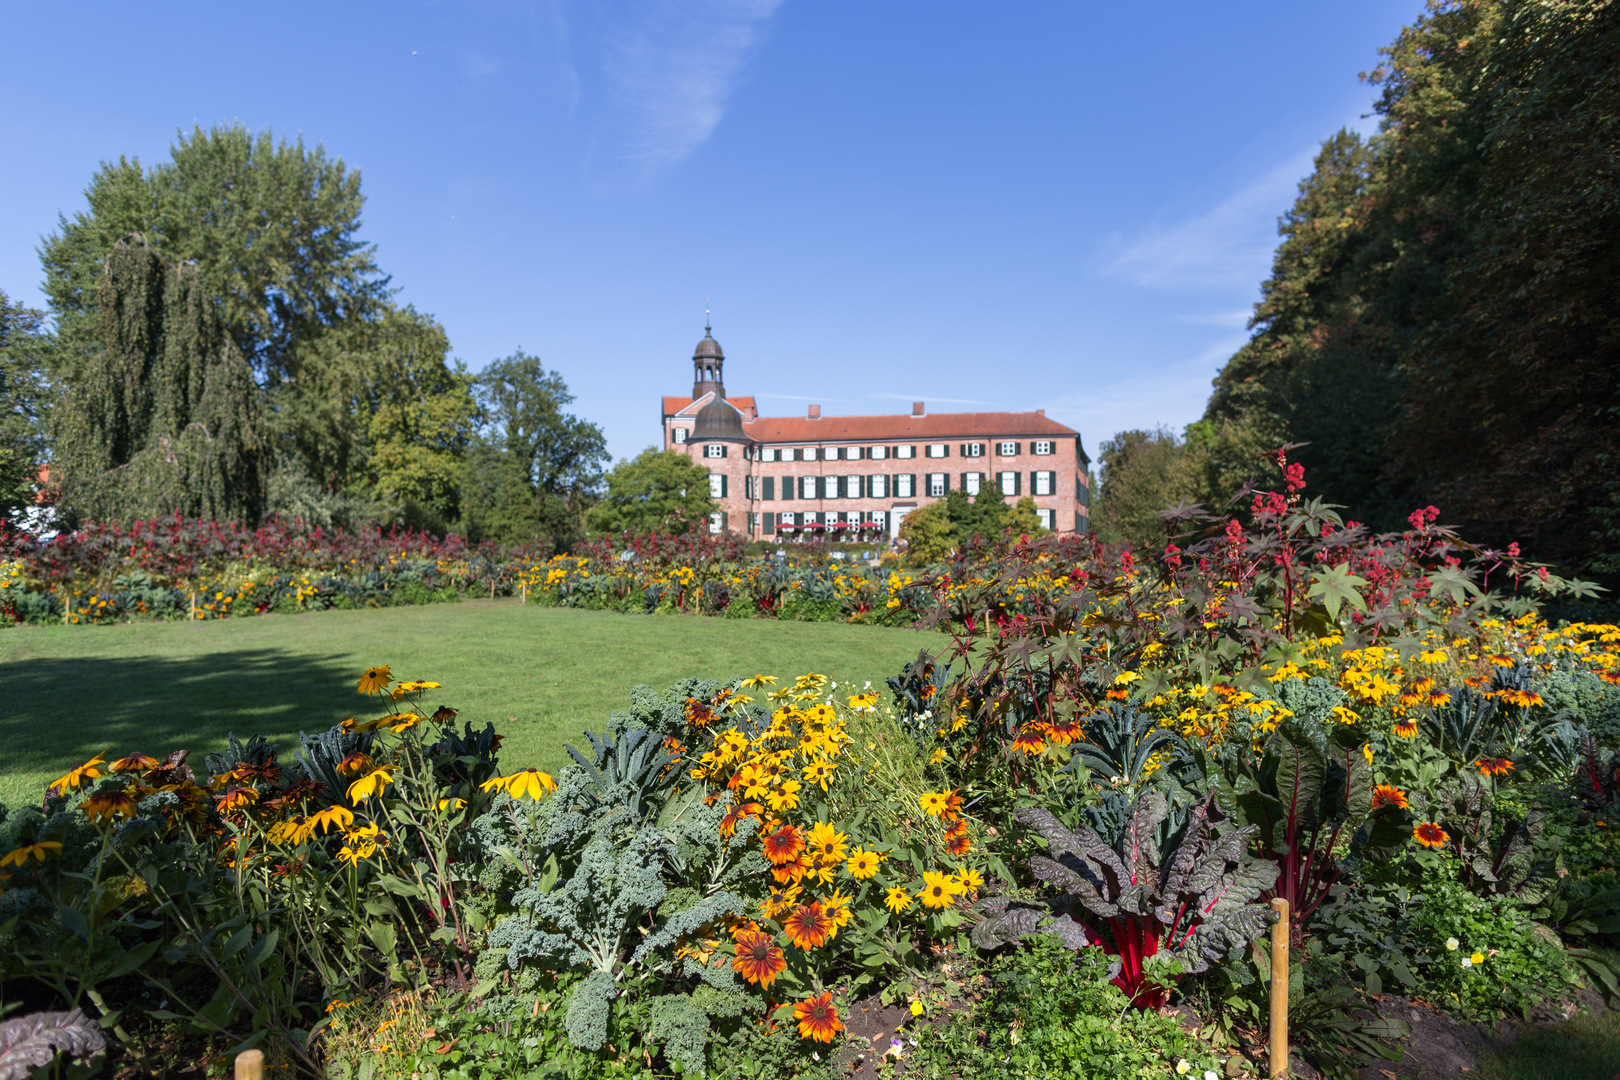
1451 944
1210 1074
1183 1067
1467 963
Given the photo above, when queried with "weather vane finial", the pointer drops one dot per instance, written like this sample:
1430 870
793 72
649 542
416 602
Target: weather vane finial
707 331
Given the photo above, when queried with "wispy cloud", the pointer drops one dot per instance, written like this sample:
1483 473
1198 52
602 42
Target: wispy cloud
671 66
925 398
1228 244
1239 317
801 397
1173 396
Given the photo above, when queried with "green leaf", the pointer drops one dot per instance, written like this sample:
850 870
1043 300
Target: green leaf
132 960
1335 586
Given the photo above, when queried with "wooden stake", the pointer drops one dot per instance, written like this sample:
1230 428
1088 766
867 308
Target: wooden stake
250 1065
1279 990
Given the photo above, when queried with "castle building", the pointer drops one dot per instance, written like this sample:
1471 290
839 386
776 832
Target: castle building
856 477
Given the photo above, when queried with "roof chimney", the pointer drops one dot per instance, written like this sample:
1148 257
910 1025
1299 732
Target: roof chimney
815 412
1040 412
917 408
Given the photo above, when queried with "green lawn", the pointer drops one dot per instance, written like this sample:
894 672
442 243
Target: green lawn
542 675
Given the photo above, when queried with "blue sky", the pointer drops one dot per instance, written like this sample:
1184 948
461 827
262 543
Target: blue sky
1065 206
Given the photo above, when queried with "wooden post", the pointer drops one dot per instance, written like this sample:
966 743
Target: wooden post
1279 990
250 1065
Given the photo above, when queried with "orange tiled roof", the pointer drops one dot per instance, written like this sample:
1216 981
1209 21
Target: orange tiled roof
900 428
673 405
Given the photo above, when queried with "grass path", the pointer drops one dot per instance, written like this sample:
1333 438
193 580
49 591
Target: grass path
67 693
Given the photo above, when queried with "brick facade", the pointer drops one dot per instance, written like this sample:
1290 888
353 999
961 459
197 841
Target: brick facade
858 476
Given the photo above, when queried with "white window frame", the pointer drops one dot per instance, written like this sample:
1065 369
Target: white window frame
1007 449
936 485
975 449
878 453
1042 448
679 435
716 520
905 452
809 453
938 450
880 518
787 453
1007 482
829 453
714 450
972 482
1045 483
787 517
904 481
717 483
879 485
1048 519
767 453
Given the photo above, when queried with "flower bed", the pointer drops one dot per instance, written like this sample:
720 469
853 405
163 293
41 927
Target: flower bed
1070 817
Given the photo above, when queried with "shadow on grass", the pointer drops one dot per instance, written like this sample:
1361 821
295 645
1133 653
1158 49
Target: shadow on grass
1586 1048
57 712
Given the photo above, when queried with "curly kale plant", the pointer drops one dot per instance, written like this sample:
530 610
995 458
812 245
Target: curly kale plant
1193 897
633 874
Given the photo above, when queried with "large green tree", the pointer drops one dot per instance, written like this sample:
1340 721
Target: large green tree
166 415
269 225
536 467
1442 322
22 399
657 489
364 407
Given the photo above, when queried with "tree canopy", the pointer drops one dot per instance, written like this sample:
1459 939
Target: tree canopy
658 489
166 416
535 467
22 403
1442 320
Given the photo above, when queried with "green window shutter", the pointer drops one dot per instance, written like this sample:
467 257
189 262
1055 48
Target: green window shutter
770 488
1018 448
723 484
770 523
1018 483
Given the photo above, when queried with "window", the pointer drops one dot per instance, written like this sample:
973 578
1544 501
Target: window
1047 519
877 487
938 449
1007 449
829 453
971 481
753 524
680 435
905 486
810 489
877 453
937 485
715 450
717 485
770 524
1082 492
1043 447
789 519
770 489
808 453
767 453
831 488
880 518
787 453
1008 482
852 487
905 451
1043 483
973 449
716 522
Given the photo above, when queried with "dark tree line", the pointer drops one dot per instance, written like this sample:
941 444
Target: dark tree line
1442 321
